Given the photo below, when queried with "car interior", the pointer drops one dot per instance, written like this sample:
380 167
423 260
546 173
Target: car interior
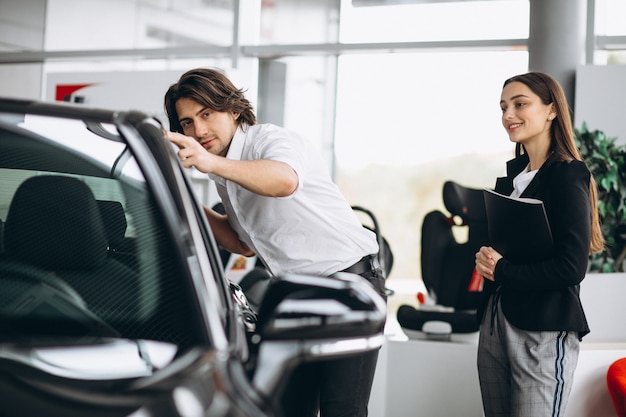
83 242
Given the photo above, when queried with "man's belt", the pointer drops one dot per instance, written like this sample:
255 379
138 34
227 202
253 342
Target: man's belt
366 264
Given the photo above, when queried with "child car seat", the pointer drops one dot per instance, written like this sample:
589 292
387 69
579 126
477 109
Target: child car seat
384 255
449 308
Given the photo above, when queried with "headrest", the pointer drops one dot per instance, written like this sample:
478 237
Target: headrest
467 203
54 222
113 218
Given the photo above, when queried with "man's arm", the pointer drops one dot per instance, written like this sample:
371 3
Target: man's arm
264 177
224 234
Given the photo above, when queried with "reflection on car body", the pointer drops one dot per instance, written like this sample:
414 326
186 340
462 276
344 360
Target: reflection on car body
113 300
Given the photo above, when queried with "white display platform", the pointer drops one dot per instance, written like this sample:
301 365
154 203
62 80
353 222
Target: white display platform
422 378
426 378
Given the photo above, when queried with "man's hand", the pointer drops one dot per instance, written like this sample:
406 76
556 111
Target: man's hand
191 153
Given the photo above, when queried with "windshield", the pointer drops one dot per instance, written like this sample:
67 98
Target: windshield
84 253
78 136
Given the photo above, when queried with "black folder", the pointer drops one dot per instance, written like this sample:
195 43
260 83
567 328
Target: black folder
518 227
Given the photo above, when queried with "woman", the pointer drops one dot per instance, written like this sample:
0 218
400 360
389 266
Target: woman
531 317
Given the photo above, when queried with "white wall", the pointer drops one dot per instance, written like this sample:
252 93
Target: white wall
140 90
600 99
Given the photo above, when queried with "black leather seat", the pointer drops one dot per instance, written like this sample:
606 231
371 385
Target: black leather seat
120 247
114 221
1 236
54 223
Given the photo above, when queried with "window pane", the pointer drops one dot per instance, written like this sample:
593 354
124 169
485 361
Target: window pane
435 21
308 97
406 123
609 21
123 24
298 21
610 17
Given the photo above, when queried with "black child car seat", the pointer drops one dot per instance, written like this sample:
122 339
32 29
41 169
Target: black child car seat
448 267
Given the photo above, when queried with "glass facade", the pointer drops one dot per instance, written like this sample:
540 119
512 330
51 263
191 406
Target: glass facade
609 22
443 21
388 90
298 21
610 17
406 123
122 24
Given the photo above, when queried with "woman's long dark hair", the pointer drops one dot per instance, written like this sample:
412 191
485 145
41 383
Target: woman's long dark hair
562 143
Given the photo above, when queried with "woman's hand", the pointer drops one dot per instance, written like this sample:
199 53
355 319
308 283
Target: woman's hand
486 260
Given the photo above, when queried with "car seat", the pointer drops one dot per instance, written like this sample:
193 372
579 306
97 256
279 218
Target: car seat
384 255
1 236
55 224
120 247
447 263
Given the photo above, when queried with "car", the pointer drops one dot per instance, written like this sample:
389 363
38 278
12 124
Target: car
113 297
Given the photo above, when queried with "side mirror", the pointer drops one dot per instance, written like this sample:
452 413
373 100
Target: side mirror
308 318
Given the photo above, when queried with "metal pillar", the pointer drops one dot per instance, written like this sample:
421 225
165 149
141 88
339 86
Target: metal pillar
557 40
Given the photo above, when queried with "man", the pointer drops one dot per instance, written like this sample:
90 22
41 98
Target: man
282 205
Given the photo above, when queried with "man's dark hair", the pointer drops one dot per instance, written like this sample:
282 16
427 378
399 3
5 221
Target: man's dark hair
212 89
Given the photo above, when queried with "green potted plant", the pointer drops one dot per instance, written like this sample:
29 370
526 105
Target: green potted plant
607 162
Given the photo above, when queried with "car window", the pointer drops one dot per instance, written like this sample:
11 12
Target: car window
83 248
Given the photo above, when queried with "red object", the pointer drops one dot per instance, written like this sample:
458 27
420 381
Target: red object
616 382
421 298
476 283
64 91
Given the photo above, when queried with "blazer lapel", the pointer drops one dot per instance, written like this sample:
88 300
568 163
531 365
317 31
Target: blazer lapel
534 185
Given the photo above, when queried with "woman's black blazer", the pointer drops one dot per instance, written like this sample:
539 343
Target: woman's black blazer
545 295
